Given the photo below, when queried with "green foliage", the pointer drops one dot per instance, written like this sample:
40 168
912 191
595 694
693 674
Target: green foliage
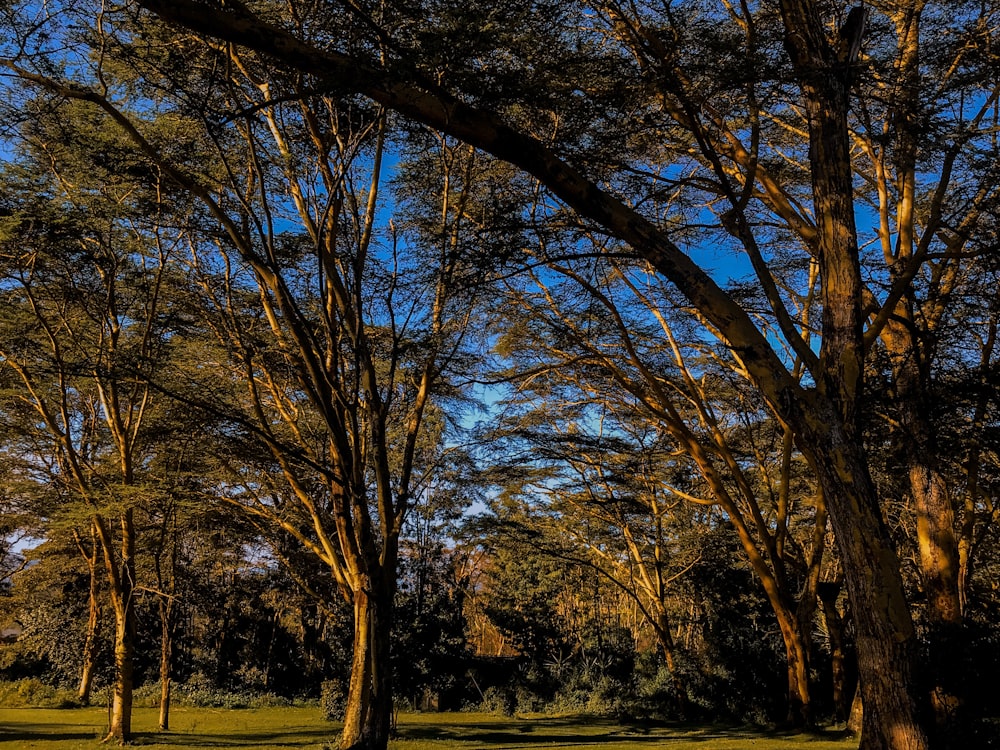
498 701
429 649
31 692
739 644
49 600
333 699
201 693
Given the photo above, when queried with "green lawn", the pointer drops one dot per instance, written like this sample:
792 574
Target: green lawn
197 728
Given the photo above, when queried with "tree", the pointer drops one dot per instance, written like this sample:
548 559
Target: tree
616 383
340 382
84 274
466 91
344 384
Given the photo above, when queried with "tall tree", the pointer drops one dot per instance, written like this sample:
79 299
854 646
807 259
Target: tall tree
85 271
604 345
520 98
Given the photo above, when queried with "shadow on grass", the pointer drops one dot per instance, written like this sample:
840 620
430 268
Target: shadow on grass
292 737
581 730
24 732
502 734
285 738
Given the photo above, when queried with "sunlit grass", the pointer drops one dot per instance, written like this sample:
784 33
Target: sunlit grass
305 729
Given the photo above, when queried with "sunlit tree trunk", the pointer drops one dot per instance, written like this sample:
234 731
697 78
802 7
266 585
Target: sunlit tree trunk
797 668
166 609
90 643
886 638
368 713
166 649
166 588
121 575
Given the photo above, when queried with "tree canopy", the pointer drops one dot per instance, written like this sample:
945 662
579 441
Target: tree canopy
719 273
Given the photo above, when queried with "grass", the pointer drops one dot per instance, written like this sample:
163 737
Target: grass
305 729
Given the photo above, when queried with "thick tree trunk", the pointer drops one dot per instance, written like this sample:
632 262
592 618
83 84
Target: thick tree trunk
368 714
940 562
886 638
797 666
120 728
936 538
827 424
935 513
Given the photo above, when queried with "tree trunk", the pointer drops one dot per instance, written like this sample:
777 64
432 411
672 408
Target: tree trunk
122 578
856 718
91 643
368 714
166 657
886 638
166 585
120 728
940 563
932 503
910 340
828 593
827 424
797 665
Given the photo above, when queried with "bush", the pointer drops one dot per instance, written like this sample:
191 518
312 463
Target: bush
333 699
498 701
200 692
33 693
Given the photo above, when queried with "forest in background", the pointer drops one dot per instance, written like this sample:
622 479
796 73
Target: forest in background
624 357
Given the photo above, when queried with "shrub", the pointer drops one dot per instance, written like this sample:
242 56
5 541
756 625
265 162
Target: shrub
200 692
33 693
498 701
333 699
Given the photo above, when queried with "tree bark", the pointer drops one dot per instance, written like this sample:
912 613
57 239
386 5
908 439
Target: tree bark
166 659
368 714
856 718
886 638
937 543
828 593
797 668
829 431
122 578
91 643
